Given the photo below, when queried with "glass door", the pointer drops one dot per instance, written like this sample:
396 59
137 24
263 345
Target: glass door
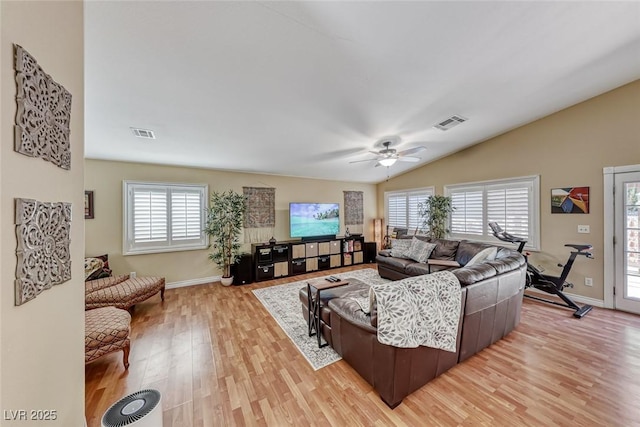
627 238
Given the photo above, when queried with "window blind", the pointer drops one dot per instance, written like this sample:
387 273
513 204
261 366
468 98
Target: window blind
163 217
401 207
512 203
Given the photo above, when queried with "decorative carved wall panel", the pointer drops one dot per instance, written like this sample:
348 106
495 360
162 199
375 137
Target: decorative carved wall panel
44 113
44 259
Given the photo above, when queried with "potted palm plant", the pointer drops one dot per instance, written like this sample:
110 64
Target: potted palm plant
434 213
223 226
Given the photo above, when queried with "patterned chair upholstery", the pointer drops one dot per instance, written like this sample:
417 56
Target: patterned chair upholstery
106 330
121 291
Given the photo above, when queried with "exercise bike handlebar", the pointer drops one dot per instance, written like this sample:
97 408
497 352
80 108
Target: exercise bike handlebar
581 249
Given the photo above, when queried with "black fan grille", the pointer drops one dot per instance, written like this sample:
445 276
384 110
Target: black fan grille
114 416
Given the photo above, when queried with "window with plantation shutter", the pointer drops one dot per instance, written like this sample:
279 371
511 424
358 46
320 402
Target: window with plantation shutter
401 207
512 203
163 217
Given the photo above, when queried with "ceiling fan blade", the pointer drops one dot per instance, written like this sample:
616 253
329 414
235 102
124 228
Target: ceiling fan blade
374 152
366 160
408 159
412 150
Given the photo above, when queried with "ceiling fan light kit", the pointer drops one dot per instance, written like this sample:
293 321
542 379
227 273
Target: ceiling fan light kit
388 161
389 156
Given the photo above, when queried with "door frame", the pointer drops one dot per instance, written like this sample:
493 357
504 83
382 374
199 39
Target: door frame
609 229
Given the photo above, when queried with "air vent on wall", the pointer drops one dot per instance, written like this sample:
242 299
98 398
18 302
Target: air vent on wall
450 122
143 133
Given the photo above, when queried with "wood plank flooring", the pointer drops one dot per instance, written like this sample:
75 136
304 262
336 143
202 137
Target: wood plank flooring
219 359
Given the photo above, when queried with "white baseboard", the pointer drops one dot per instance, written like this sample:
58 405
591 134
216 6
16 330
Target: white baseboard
577 298
192 282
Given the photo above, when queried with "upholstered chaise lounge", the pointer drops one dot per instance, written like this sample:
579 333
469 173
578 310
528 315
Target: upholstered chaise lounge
121 291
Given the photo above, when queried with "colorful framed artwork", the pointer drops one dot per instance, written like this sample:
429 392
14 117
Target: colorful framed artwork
88 205
570 200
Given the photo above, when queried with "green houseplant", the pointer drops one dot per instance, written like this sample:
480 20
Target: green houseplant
434 213
223 225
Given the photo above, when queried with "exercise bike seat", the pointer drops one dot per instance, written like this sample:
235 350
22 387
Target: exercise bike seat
579 248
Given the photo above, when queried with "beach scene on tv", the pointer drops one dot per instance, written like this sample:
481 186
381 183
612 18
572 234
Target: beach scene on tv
314 219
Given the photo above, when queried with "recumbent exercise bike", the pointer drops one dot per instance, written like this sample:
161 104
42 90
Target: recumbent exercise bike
544 282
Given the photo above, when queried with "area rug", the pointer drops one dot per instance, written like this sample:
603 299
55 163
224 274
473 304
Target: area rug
283 303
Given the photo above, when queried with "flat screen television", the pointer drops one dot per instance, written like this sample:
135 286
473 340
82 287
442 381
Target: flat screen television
309 220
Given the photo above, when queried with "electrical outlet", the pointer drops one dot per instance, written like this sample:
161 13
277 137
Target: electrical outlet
588 281
584 229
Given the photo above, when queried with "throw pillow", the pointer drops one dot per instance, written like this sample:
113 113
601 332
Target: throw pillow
400 248
102 272
420 250
91 265
488 254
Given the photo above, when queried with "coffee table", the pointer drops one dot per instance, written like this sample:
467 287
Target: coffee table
314 306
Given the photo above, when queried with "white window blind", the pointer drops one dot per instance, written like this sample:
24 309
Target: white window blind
512 203
163 217
401 207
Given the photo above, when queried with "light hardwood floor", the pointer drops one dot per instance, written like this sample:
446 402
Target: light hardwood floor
219 359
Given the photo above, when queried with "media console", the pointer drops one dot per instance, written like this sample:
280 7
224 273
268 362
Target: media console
297 257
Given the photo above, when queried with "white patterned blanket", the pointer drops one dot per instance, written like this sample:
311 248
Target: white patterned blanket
422 310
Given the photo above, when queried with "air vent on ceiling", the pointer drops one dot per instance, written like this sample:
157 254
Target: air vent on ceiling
143 133
450 122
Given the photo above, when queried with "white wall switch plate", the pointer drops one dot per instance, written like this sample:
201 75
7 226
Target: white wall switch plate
584 229
588 281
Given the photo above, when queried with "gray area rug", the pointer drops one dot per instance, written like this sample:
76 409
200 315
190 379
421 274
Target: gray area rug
283 303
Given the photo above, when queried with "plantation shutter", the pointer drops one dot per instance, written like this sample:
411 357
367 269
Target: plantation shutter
186 214
467 216
163 217
510 208
401 207
414 199
149 215
397 210
512 203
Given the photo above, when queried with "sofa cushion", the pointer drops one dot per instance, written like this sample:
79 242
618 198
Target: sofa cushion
445 249
420 250
502 264
400 248
418 269
487 254
467 250
397 263
475 273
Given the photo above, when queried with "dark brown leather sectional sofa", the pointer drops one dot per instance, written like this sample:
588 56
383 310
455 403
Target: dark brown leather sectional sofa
491 301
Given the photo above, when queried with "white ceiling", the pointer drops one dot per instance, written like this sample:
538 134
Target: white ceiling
303 88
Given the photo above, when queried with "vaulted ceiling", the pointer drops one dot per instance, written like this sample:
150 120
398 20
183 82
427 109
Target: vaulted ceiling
304 88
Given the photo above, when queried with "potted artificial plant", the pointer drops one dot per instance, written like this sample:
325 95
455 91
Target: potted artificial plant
434 213
223 225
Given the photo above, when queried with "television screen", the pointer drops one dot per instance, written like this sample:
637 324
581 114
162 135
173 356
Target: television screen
314 219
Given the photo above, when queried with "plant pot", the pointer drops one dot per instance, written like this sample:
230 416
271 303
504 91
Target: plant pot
226 281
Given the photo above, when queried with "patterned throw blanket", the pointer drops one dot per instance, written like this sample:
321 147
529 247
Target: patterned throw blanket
422 310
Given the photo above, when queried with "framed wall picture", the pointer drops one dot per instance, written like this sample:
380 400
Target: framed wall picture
570 200
88 205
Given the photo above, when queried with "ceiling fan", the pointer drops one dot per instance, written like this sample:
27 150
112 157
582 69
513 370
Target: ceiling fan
388 156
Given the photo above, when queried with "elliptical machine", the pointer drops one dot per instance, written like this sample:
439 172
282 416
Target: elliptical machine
544 282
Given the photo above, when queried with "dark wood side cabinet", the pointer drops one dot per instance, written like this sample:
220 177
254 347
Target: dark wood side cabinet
290 258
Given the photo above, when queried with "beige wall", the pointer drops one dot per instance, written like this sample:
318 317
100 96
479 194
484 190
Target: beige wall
41 342
566 149
104 233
